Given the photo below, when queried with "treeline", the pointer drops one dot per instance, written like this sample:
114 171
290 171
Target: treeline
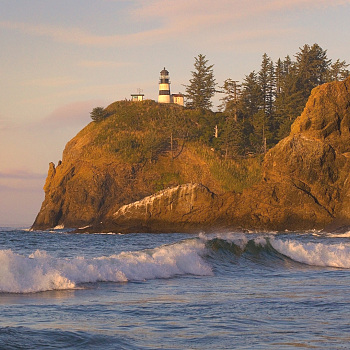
258 112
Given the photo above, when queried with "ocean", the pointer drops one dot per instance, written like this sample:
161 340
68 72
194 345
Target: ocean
61 290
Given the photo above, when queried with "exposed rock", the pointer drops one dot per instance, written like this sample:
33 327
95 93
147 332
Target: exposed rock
310 167
189 207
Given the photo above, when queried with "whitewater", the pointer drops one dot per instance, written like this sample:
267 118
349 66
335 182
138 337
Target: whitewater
233 290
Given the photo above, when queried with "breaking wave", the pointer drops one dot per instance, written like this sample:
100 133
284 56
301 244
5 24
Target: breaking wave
40 271
272 249
199 256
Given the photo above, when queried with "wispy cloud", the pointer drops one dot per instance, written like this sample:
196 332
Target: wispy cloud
71 114
79 36
169 19
197 14
103 64
20 174
51 82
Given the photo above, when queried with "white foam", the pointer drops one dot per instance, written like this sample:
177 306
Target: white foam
338 235
317 254
40 272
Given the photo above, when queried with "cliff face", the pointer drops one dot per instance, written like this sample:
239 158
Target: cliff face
122 159
305 182
305 174
184 207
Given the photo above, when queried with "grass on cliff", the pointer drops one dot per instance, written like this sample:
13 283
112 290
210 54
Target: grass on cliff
150 136
233 174
142 131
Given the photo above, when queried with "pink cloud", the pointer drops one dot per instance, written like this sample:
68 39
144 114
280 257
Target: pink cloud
97 64
81 37
169 19
76 113
20 174
51 82
184 14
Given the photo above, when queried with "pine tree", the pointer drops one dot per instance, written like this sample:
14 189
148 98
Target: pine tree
264 81
251 98
338 71
289 101
231 89
270 100
312 68
232 138
202 85
98 114
279 76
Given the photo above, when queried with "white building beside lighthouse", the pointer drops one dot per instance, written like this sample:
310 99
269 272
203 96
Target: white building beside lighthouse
164 90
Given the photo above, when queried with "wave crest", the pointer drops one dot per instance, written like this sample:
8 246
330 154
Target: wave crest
316 254
40 272
269 249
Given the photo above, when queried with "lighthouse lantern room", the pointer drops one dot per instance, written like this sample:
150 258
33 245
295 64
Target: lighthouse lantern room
164 87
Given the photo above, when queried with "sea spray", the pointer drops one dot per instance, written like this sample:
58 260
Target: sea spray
40 272
323 254
20 274
316 254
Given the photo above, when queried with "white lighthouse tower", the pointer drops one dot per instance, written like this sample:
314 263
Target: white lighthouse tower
164 87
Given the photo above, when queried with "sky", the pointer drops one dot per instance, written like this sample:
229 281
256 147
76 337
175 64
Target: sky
61 58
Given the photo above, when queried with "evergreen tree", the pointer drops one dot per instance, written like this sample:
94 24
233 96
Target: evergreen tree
231 89
270 100
233 138
97 114
258 138
250 101
202 85
312 68
279 76
289 102
287 65
265 82
338 71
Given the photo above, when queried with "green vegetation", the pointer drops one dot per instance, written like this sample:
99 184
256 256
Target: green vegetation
177 144
98 114
259 111
202 85
233 174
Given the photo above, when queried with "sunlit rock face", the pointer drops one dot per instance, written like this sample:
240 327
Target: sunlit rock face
189 207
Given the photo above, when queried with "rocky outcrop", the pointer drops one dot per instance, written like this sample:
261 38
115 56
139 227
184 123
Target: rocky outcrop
189 207
305 182
96 176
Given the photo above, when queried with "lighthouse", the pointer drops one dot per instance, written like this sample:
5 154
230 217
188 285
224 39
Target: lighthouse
164 87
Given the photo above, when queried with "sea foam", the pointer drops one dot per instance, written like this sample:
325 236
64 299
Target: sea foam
316 254
323 254
40 272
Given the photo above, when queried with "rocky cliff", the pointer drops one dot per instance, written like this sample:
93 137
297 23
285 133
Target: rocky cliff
136 151
305 181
